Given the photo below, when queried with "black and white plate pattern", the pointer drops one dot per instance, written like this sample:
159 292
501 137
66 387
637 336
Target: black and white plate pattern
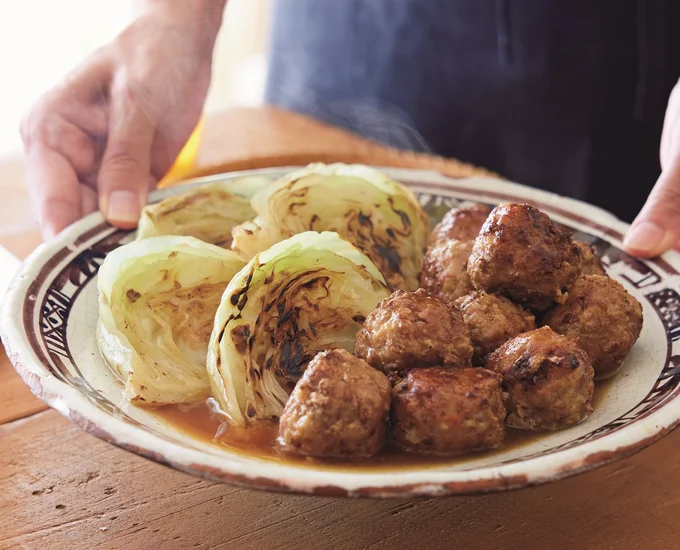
48 327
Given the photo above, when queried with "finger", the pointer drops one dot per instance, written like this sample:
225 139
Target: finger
163 155
669 135
55 191
81 100
125 168
88 199
59 155
60 135
657 227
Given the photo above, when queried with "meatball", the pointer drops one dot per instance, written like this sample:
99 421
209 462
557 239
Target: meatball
492 321
444 272
462 224
590 261
448 411
413 329
339 408
603 317
522 255
547 380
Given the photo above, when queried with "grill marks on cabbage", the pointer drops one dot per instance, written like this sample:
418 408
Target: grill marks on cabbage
284 315
405 220
381 249
391 256
288 334
240 297
293 359
300 194
279 319
240 336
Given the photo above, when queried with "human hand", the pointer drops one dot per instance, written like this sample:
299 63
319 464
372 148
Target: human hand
113 127
657 226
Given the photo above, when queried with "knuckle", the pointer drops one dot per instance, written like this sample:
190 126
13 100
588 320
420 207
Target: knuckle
119 158
666 201
669 198
126 85
671 192
42 122
44 127
33 124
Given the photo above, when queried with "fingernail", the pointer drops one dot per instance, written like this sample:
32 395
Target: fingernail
123 206
644 237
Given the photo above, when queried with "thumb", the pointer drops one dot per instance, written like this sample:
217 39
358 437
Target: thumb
657 226
125 168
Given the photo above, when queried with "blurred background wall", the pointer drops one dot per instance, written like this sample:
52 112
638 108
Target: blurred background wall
41 40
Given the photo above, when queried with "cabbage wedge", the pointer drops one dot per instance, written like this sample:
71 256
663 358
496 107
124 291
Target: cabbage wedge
207 212
306 294
157 303
381 217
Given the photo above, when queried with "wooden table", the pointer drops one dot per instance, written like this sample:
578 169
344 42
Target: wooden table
61 488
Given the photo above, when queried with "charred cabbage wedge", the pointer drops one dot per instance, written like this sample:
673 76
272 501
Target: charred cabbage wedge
157 303
378 215
303 295
207 212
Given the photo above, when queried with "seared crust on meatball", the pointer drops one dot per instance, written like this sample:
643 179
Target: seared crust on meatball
413 329
522 255
461 224
590 261
447 411
338 408
492 321
445 270
547 380
603 317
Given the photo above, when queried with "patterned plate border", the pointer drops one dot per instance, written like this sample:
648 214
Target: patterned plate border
51 350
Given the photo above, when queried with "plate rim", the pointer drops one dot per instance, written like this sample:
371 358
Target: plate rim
72 404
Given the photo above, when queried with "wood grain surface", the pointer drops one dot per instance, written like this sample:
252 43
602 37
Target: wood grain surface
61 488
16 400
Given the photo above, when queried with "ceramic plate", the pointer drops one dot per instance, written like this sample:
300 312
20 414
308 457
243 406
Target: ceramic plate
48 327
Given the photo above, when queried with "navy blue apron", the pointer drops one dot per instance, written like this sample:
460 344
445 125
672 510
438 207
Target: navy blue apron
565 95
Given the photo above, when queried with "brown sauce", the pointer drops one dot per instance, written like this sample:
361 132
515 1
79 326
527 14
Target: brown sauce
259 441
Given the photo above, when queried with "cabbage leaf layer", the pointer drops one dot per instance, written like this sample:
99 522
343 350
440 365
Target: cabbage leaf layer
207 212
157 304
378 215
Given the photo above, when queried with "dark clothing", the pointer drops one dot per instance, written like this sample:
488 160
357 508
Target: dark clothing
566 95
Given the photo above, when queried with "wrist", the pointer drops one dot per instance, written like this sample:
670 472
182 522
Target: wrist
184 6
204 17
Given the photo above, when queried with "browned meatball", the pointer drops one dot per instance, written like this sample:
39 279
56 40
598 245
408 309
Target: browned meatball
339 407
590 261
462 224
413 329
492 321
603 317
448 411
547 380
444 272
521 254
